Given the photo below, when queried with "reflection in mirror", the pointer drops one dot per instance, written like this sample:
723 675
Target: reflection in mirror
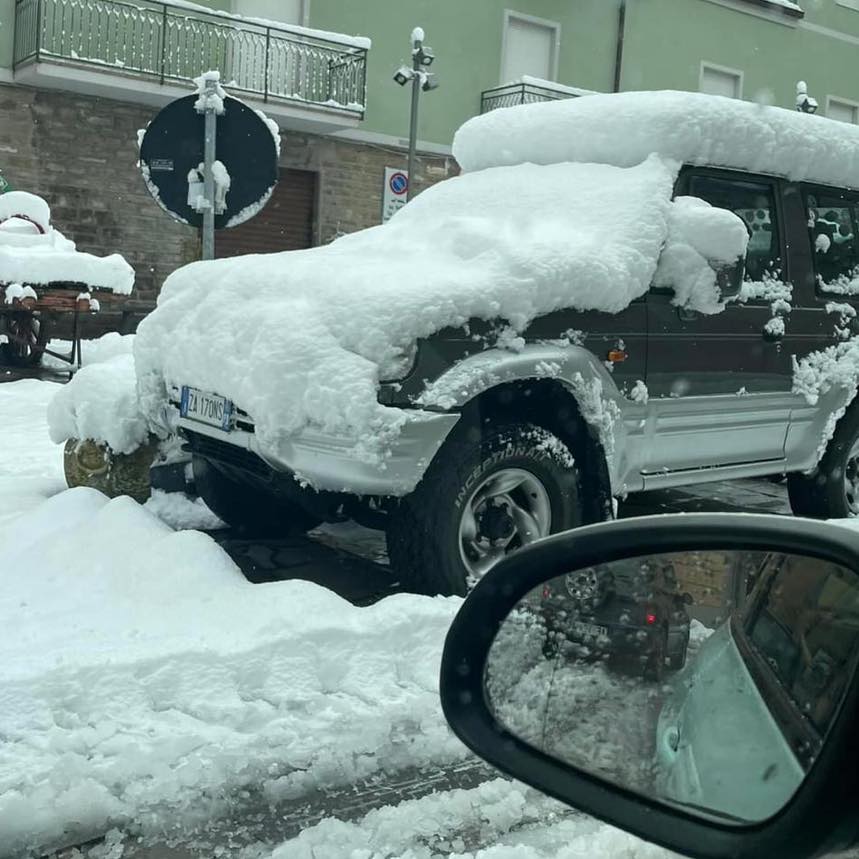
703 679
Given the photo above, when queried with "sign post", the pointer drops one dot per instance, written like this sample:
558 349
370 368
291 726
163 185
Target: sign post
208 162
395 193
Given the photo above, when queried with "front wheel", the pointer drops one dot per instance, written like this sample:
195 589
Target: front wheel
479 501
248 510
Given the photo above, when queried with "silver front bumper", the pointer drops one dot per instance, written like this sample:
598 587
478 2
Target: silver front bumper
329 462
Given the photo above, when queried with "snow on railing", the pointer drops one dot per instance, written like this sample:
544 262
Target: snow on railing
172 42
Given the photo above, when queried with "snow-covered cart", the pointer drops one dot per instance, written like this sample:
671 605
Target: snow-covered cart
43 277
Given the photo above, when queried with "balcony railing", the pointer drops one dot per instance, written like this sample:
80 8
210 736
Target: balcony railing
524 92
167 43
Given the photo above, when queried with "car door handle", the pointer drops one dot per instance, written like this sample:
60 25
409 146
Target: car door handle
686 314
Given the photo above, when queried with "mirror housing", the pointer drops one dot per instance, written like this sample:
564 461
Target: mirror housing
820 815
729 278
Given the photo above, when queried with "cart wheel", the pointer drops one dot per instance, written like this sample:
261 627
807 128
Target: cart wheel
27 337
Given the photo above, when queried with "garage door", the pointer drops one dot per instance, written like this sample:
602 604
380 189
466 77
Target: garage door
285 224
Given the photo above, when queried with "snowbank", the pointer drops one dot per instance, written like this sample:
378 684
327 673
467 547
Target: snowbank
142 672
31 466
304 337
28 256
100 403
499 819
625 128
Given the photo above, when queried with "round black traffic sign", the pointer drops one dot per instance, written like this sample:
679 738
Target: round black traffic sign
173 146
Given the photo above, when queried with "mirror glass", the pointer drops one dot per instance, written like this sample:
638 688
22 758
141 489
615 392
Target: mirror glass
704 679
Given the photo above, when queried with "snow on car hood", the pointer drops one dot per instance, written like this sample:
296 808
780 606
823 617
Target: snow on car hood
39 258
304 337
625 128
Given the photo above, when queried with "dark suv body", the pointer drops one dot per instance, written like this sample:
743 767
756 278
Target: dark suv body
508 445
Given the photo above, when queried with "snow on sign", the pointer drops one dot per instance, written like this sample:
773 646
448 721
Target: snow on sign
395 192
171 159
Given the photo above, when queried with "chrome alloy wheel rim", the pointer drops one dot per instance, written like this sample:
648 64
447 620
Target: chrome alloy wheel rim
508 509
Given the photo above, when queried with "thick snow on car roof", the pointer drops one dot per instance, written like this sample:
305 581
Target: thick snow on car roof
623 129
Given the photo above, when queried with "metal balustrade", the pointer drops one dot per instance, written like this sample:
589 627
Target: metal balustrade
510 95
172 44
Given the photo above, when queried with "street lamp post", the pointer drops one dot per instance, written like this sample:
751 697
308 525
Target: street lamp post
421 79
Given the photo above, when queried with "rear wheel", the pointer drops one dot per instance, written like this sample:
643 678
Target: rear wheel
480 500
27 337
246 509
831 491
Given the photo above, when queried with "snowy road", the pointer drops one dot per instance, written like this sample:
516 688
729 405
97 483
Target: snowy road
151 691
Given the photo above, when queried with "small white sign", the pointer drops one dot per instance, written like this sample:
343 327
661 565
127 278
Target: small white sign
395 192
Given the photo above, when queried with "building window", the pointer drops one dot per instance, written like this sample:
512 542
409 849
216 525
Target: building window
530 47
719 80
842 110
284 11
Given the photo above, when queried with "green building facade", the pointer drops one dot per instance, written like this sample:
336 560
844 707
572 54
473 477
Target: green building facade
77 77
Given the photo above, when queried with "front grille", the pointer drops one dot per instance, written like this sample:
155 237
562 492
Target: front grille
228 454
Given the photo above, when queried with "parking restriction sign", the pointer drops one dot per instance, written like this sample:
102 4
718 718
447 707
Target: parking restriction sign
395 191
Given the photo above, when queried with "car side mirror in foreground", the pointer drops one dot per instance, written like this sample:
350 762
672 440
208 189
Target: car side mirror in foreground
691 679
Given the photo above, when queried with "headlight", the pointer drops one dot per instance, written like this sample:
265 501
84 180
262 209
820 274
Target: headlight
397 368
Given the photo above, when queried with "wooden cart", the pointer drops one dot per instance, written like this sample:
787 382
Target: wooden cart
26 321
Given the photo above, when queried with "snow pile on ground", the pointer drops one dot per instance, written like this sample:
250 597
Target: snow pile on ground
698 235
497 820
100 403
95 351
31 465
143 673
692 128
33 252
182 512
304 337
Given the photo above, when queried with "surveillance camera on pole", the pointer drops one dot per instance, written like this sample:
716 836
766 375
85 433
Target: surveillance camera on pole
420 79
804 102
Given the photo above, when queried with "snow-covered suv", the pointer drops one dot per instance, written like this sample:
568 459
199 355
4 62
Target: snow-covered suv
619 293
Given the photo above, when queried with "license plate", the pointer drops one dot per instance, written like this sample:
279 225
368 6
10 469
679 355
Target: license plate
589 630
206 408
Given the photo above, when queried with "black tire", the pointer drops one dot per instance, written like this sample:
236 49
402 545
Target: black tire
249 511
31 332
423 531
821 494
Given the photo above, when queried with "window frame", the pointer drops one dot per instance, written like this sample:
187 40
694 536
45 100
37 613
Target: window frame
850 195
847 102
681 189
706 65
555 26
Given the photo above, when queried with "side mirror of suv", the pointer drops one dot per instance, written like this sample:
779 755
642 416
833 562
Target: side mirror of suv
725 726
729 278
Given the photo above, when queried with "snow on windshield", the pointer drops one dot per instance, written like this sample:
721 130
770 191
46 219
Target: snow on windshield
625 128
304 337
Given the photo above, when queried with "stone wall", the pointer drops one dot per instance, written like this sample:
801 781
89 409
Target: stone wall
80 153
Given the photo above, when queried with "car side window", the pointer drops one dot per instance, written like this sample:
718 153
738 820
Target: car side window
833 236
805 627
754 202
